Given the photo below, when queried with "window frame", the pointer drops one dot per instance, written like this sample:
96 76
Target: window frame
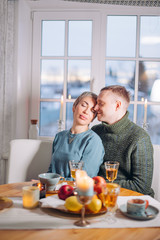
99 18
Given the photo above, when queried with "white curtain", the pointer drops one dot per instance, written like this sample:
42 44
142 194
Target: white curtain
7 60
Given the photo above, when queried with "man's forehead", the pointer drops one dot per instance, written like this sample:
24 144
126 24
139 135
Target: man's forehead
104 94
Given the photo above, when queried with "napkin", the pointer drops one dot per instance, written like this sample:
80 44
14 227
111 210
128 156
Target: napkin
52 202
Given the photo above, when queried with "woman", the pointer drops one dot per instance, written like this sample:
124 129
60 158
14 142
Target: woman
79 143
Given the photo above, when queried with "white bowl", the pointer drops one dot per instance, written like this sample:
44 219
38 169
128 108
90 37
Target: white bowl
50 180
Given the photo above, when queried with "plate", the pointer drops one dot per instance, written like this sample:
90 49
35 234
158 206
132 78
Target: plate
87 212
151 212
62 208
53 202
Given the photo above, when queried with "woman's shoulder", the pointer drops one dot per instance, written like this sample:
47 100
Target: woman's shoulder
61 134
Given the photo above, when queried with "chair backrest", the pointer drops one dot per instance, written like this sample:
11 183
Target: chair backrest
27 159
156 172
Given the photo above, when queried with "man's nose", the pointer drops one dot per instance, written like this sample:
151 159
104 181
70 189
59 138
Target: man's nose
96 107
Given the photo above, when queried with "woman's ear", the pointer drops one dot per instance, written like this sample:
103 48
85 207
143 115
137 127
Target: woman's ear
73 109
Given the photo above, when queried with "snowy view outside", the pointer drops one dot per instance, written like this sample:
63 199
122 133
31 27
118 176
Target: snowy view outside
120 67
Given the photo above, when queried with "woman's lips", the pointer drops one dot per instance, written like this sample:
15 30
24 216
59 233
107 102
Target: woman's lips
83 117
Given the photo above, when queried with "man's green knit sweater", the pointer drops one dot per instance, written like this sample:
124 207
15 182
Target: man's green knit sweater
131 146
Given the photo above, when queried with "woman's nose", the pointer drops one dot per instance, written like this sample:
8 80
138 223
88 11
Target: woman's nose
86 110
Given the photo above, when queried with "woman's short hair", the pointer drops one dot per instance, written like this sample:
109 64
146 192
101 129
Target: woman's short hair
85 94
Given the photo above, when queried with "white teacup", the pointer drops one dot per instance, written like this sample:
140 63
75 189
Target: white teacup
50 180
137 206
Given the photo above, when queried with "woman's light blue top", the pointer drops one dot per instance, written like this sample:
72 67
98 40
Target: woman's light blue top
86 147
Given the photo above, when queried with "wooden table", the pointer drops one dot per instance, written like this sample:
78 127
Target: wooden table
15 190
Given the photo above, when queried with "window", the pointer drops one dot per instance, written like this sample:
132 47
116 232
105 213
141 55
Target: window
134 62
64 58
76 52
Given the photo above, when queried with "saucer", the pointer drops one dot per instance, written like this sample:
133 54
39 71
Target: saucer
151 212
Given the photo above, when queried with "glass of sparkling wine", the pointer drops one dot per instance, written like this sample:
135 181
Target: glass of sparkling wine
111 170
110 195
74 166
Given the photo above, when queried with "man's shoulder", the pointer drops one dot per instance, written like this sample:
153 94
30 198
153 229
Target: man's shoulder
138 133
138 130
97 128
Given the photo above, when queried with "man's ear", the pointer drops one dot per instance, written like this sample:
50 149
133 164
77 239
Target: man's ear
118 104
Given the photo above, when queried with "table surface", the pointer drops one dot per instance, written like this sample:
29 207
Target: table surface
15 190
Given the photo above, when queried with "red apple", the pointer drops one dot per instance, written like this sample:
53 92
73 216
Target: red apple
65 191
99 183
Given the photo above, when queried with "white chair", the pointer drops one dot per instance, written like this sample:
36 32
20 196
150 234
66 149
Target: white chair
156 172
27 159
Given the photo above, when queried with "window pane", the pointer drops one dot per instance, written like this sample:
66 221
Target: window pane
69 115
131 111
80 38
49 116
121 36
153 116
121 73
150 36
149 78
52 76
78 77
53 37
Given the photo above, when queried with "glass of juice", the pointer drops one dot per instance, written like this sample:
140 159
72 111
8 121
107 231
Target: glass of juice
74 166
111 170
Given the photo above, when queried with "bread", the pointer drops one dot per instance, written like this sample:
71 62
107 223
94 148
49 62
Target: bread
5 203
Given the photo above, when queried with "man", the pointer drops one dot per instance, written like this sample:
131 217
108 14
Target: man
124 141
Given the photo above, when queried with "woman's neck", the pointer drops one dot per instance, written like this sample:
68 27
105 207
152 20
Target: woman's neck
78 129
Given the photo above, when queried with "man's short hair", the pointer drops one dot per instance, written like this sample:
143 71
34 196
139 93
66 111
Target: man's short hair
119 90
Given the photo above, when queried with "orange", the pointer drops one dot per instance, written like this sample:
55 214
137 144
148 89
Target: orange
101 196
95 197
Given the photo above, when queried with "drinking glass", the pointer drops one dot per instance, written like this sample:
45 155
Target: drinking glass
74 166
111 170
110 195
83 200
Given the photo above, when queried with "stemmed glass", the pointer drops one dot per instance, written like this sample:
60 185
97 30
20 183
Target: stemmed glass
111 170
110 195
83 200
74 166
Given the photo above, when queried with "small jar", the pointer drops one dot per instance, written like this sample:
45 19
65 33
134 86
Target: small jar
34 130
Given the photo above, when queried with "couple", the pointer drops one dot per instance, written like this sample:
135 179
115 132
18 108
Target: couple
116 139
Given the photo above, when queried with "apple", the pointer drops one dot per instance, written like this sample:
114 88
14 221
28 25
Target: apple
99 183
65 191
